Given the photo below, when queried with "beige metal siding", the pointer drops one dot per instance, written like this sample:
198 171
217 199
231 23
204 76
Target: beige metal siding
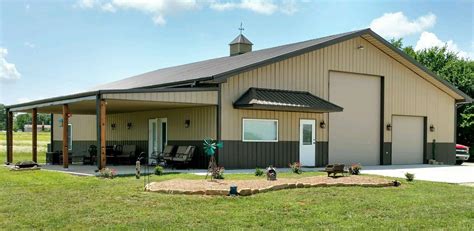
203 124
83 127
406 93
196 97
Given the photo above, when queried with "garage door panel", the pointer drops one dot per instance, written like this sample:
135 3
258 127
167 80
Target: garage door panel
354 134
407 139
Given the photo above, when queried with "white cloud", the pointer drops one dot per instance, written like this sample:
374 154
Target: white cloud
27 7
428 40
159 9
30 45
108 7
87 3
397 25
8 70
258 6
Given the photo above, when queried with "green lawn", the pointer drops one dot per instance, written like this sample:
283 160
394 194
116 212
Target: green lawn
47 200
22 146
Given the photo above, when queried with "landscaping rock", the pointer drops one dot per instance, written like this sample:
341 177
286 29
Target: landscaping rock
279 187
245 192
217 192
253 186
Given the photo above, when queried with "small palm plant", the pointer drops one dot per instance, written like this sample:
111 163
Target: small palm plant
210 147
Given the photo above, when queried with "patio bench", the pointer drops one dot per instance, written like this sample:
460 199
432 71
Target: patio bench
184 155
334 169
122 154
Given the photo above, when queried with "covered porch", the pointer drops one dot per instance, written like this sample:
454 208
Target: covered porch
139 121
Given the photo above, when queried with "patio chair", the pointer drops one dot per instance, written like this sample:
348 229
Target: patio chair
184 155
168 153
159 158
126 154
92 157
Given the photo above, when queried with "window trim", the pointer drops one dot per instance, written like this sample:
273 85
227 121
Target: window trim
261 141
70 140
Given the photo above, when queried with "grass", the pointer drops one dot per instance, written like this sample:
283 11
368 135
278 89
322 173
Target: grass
22 146
49 200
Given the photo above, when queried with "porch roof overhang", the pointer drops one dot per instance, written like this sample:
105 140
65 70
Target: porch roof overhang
121 101
284 100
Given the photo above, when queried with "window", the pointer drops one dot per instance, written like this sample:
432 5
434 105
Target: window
260 130
307 134
69 136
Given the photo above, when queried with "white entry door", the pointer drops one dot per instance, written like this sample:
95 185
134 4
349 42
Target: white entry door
157 135
152 137
307 142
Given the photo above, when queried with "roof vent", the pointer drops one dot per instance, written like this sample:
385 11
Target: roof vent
240 44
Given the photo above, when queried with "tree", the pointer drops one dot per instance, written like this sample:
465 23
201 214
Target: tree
3 118
456 70
20 121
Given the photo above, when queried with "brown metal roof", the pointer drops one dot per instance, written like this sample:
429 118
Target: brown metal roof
283 100
221 68
241 39
213 68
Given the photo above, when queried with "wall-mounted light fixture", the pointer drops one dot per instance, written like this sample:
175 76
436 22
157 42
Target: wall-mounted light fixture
389 127
113 125
432 128
360 47
129 125
322 124
187 123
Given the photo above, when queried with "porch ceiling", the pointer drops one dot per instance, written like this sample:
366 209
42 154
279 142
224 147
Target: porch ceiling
114 106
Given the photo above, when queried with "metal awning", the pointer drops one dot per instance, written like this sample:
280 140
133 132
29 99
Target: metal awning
284 100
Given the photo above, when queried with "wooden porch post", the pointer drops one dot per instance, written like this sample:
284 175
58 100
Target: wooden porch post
9 136
65 136
101 129
34 132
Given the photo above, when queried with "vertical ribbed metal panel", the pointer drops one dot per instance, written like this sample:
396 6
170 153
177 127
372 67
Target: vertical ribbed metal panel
406 93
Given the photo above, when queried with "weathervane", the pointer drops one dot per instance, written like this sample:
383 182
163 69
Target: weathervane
241 28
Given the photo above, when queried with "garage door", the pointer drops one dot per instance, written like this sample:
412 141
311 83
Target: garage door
354 134
407 140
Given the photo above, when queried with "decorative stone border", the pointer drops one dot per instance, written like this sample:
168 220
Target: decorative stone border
249 192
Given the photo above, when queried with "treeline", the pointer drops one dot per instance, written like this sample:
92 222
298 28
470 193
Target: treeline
21 120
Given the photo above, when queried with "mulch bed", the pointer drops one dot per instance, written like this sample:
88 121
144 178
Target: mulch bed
249 187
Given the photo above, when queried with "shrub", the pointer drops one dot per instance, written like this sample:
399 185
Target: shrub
107 173
410 176
296 168
355 169
159 170
258 172
218 173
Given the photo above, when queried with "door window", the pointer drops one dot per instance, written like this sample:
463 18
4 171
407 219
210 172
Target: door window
307 134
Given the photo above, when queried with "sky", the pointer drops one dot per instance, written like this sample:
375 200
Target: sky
52 47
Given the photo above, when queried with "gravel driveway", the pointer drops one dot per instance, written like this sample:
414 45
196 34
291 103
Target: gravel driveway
459 174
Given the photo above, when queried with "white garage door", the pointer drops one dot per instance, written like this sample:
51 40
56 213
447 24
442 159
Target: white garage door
407 140
354 134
